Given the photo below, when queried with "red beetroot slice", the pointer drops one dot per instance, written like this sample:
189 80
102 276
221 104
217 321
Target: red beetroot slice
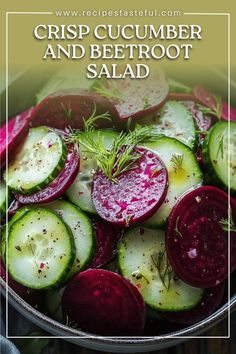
13 207
211 301
138 97
177 96
136 195
195 240
33 297
102 302
208 99
203 122
60 184
17 128
107 237
70 107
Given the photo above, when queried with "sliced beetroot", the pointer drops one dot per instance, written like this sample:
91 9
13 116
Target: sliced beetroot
107 237
60 184
33 297
71 107
13 133
203 122
135 98
136 194
13 207
211 300
102 302
195 240
176 96
208 99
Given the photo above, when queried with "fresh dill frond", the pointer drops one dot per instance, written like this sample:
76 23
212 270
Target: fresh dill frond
138 275
163 267
228 224
121 157
146 103
87 136
67 111
177 160
216 110
221 147
109 91
177 227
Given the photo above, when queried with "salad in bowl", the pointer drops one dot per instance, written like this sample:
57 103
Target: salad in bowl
118 205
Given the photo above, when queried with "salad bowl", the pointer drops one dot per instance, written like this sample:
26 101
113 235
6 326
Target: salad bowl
33 80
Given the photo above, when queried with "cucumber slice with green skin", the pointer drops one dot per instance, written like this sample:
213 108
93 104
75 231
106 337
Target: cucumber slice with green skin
41 249
38 162
15 217
4 198
216 149
173 120
183 172
178 87
142 259
82 230
79 192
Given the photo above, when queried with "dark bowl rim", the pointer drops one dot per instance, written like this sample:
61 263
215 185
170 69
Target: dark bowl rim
72 333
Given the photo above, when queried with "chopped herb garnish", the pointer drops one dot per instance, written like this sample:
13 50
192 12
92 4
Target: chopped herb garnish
228 224
216 110
177 160
177 228
121 157
138 275
109 91
163 267
67 111
221 147
146 103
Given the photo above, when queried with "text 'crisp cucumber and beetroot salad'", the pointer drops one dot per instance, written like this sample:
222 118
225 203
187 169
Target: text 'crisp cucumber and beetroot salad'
119 216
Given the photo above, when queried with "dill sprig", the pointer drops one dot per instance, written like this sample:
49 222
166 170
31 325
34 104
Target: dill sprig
177 228
216 110
177 160
121 157
138 275
163 267
109 91
228 224
221 147
146 103
67 111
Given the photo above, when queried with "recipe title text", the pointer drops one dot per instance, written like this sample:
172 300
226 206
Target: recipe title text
142 43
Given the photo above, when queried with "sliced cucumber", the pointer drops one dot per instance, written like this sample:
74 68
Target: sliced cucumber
175 121
183 173
4 198
38 162
178 87
79 192
218 145
41 249
82 230
142 259
20 212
